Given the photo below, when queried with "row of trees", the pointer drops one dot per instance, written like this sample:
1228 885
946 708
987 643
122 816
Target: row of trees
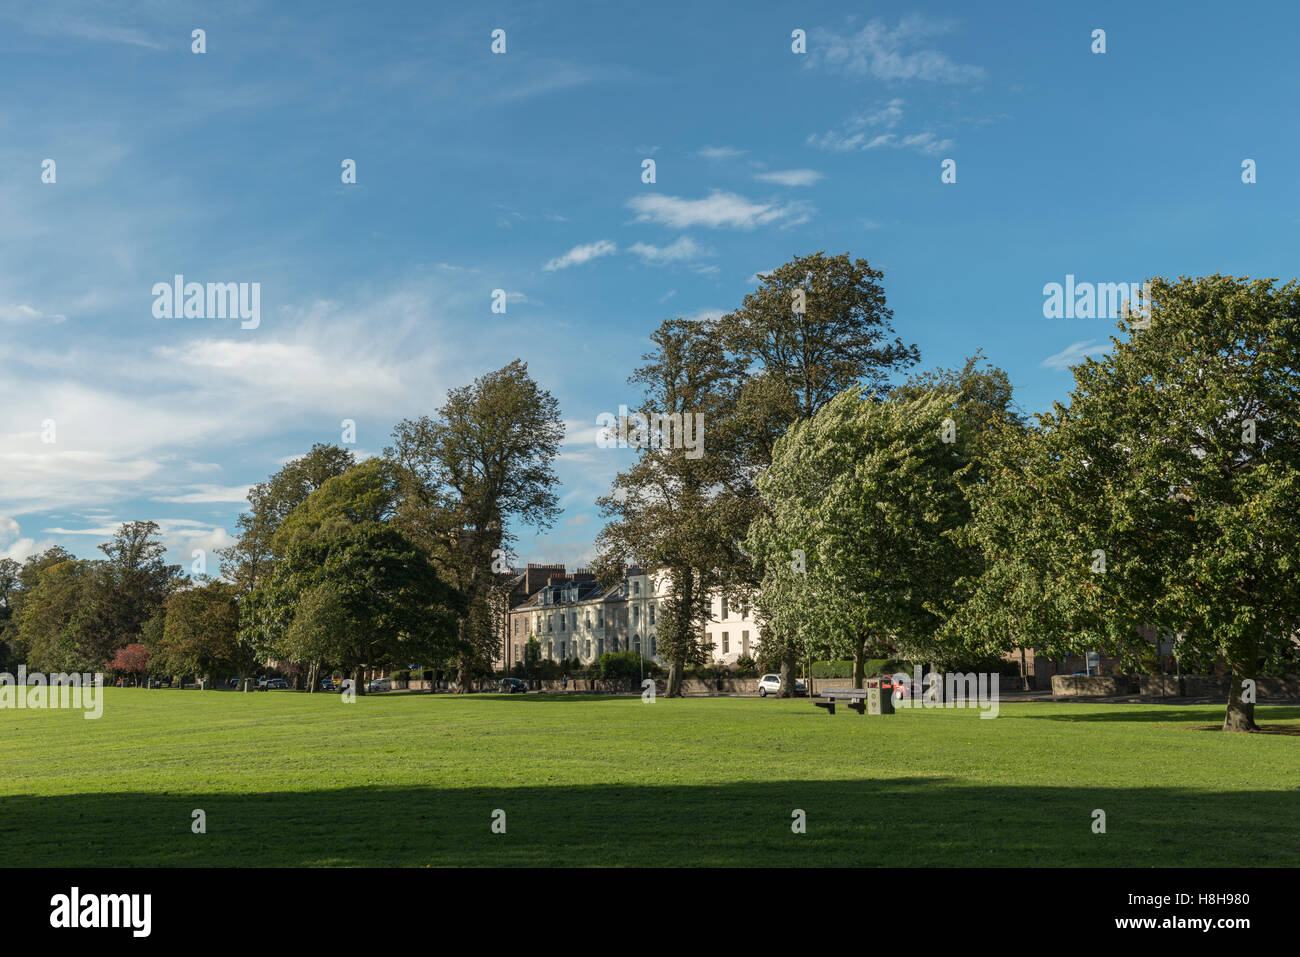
867 516
929 519
339 564
397 560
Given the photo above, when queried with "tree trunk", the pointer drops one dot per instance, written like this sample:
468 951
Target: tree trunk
359 685
787 673
1241 714
859 662
675 669
462 676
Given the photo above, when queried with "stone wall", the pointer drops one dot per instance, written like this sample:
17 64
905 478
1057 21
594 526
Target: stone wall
1068 686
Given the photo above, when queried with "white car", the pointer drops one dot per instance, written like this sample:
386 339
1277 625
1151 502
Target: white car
771 684
379 684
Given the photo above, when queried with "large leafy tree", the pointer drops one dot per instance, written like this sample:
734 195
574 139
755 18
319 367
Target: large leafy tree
126 589
51 616
1162 494
250 559
201 632
815 326
675 511
348 587
468 476
856 538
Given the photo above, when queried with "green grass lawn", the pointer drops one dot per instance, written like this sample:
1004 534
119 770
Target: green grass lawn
409 779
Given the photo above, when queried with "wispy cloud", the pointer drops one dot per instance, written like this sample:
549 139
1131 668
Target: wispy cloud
51 24
720 152
1076 353
877 129
684 249
718 210
584 253
207 494
790 177
23 313
895 54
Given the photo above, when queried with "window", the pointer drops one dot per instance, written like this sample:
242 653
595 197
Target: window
636 616
725 646
636 588
652 614
575 621
561 621
561 651
652 646
744 610
600 618
723 617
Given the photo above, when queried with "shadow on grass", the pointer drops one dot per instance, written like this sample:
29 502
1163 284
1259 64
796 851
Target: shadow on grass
1263 714
894 822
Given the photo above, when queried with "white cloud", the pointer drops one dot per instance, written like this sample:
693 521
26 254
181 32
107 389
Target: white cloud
205 494
582 254
891 54
790 177
1076 353
718 210
703 315
682 250
24 313
876 130
720 152
12 544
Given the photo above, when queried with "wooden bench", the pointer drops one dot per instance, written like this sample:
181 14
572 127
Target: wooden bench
855 697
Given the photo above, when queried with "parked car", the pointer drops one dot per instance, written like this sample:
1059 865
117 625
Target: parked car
327 684
512 686
771 684
898 685
379 684
277 684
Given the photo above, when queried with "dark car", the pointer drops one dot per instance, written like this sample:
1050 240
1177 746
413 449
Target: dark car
327 684
512 686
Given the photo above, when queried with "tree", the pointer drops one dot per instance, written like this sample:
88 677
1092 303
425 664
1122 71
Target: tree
201 632
466 476
816 326
249 560
1163 494
802 351
365 593
9 592
983 415
49 629
856 538
131 660
125 589
675 511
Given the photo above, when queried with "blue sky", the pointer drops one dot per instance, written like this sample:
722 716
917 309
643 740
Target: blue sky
522 172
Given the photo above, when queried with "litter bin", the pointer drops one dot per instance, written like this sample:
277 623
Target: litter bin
879 699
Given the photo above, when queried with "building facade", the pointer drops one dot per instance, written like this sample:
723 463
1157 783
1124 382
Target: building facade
575 617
